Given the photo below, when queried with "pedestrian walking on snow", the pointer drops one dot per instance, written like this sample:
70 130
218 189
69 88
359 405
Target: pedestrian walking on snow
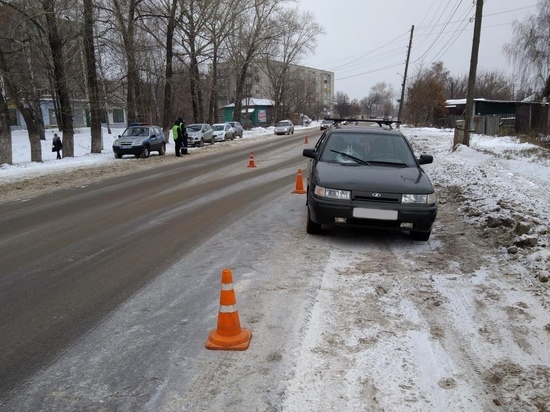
57 145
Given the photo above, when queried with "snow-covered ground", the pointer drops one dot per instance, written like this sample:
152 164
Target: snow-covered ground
459 323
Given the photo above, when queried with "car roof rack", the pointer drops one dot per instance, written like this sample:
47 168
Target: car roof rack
379 121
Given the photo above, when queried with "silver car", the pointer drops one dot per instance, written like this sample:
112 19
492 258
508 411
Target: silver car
223 132
239 130
284 127
198 134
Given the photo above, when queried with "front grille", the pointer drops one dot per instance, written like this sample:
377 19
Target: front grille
370 197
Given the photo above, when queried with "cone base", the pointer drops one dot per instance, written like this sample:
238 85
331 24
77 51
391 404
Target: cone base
300 192
239 342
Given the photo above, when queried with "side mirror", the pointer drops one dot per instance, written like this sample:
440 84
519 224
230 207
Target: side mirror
310 153
424 159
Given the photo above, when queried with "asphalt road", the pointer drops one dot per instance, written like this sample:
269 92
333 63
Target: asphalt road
71 257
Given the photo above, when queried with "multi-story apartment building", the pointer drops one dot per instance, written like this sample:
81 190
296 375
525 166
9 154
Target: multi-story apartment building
310 91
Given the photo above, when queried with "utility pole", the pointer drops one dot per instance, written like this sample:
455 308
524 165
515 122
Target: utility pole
469 115
405 78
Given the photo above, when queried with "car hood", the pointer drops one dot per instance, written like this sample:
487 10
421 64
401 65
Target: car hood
130 139
374 178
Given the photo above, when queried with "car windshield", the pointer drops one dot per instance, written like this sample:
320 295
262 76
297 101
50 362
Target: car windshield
136 131
361 148
218 127
194 128
282 124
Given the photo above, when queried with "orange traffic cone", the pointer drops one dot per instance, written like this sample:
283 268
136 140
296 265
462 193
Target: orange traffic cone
305 140
251 161
228 335
299 184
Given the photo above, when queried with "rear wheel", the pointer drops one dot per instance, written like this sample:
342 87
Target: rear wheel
420 235
312 228
162 149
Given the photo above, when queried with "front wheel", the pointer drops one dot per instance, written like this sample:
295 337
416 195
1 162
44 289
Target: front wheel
312 228
118 155
201 143
146 152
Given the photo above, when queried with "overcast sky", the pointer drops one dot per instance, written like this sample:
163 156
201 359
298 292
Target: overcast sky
366 41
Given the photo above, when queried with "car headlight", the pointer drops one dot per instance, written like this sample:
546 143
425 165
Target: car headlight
419 199
138 143
332 193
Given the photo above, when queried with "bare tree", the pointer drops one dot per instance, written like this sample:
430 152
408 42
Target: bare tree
297 38
342 105
379 100
60 80
493 85
5 131
530 49
256 30
122 15
425 95
219 29
196 16
91 77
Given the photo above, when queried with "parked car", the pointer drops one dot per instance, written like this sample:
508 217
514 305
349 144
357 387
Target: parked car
199 134
325 124
284 127
368 176
140 140
223 132
239 130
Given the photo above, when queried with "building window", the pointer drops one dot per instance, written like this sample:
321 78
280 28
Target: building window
118 116
53 119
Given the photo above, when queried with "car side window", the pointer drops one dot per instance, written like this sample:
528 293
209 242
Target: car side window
320 142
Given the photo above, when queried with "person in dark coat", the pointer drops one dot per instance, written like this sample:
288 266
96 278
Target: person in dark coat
57 145
184 137
177 136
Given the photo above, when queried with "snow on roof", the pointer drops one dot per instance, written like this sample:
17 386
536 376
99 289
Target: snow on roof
253 101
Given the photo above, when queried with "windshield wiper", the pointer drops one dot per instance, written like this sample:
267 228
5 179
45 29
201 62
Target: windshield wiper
363 162
390 163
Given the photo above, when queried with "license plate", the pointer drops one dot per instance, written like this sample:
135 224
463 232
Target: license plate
379 214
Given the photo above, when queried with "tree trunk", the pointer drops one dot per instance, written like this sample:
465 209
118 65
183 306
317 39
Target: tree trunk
91 77
240 92
5 131
56 47
34 127
196 92
169 71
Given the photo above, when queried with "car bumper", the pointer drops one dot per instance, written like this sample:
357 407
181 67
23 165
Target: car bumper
419 218
128 150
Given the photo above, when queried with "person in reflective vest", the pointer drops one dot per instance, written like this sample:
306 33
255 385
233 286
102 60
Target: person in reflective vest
177 135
